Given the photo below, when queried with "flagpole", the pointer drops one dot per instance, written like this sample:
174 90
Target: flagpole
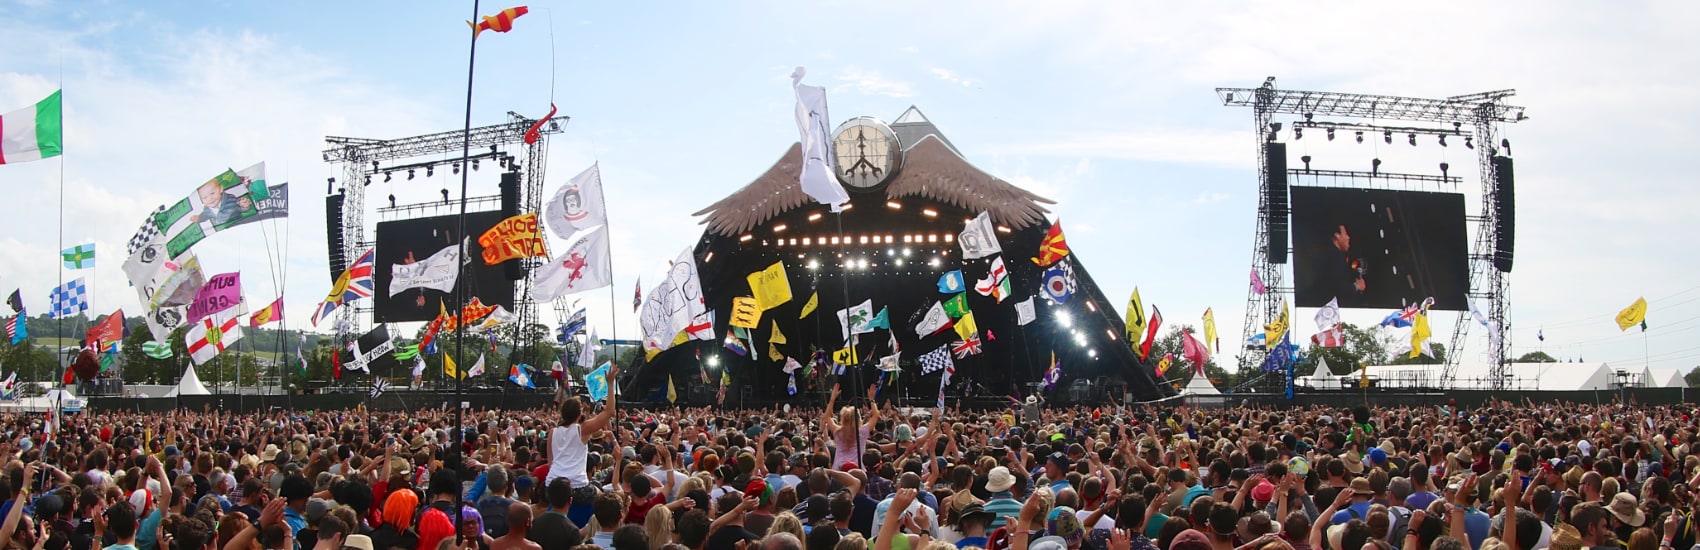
60 326
460 233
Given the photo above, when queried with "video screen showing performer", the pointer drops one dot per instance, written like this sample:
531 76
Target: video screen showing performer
409 242
1383 249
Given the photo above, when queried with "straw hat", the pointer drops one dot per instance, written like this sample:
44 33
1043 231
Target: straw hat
1565 537
1624 507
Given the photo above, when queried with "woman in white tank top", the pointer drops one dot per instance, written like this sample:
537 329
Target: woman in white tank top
567 442
850 436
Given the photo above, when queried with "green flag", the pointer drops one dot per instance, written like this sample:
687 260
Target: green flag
157 350
406 353
78 257
957 306
105 363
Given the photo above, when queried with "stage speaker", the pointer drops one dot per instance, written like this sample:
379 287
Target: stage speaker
1505 213
333 236
1275 220
509 187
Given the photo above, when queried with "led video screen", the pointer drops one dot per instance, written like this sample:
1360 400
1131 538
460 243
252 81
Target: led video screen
419 247
1374 248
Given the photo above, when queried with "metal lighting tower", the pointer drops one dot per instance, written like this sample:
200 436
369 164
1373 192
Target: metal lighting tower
1483 111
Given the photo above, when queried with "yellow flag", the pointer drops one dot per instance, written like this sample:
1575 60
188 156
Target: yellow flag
809 307
777 337
725 379
449 367
1633 315
745 312
1363 380
844 356
770 286
1210 331
1274 331
965 326
1419 334
671 394
681 338
773 352
1135 319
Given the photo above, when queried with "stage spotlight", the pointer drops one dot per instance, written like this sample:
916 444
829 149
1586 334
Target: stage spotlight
1274 130
430 170
1306 160
1457 127
474 164
1309 116
1298 133
1413 139
329 183
1469 142
457 168
1330 134
1443 168
1506 145
368 179
445 195
1360 136
392 201
388 176
410 173
1387 136
374 166
1443 140
1375 166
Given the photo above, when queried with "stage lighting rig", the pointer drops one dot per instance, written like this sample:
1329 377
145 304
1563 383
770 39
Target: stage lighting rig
1330 134
1413 139
410 174
1306 160
388 176
1387 136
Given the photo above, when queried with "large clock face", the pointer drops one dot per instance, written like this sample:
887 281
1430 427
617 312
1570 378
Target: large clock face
867 152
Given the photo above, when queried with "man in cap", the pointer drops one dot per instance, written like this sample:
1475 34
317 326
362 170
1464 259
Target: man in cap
1359 507
149 505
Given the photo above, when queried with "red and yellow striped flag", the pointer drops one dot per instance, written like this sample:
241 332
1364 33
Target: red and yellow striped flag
501 22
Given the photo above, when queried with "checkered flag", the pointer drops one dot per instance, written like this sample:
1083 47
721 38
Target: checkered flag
146 234
68 300
935 360
379 386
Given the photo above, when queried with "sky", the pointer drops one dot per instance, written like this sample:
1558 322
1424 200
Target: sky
1107 108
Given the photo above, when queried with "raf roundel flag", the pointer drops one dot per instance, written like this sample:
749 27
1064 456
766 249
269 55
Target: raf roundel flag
951 282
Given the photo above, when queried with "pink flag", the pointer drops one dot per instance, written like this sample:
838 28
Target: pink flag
222 292
1257 283
1331 338
1194 350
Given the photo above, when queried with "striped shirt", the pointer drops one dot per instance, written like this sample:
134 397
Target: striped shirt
1006 508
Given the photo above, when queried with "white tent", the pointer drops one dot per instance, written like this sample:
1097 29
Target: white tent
1663 377
1200 384
189 385
1321 379
1524 376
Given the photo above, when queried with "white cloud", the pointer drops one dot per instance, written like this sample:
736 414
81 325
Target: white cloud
950 76
1214 196
870 82
1185 146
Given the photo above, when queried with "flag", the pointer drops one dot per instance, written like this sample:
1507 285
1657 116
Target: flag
373 349
672 394
951 282
1053 247
1635 314
520 377
16 300
1363 377
996 283
637 295
966 328
449 368
1151 326
934 360
336 363
936 319
1282 356
272 313
670 307
1541 334
32 133
513 238
1329 338
1052 374
1277 329
147 233
773 352
535 132
587 352
1135 318
736 345
556 370
725 380
212 336
1419 336
809 306
949 369
477 367
406 353
577 206
814 128
379 386
843 356
881 319
221 292
1163 364
574 324
1193 350
1258 339
776 337
1024 312
498 317
745 312
1257 283
1058 282
701 327
70 299
1329 315
790 384
18 328
1210 330
354 283
956 306
301 360
584 266
978 239
78 257
105 335
890 363
597 382
964 348
501 22
854 319
439 271
1395 320
770 286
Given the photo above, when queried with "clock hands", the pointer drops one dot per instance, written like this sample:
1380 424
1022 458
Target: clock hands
867 168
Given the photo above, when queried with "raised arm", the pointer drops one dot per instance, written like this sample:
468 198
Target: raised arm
900 502
827 422
600 421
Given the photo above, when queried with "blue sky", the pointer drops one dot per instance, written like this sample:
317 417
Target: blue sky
1105 107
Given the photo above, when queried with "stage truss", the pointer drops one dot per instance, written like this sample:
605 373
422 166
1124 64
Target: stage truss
1484 112
361 158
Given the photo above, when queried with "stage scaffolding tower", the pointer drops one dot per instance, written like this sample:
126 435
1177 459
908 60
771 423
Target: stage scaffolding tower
1484 112
361 158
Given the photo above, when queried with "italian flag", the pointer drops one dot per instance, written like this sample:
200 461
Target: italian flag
32 133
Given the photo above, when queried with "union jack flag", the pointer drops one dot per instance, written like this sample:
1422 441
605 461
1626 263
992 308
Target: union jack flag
965 348
354 284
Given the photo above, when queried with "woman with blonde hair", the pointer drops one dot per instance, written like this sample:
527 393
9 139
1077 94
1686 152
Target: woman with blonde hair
658 524
787 522
849 434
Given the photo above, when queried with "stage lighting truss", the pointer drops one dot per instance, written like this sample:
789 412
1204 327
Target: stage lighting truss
1457 130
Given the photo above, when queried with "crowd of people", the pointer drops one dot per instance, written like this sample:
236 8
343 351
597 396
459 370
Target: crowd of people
588 475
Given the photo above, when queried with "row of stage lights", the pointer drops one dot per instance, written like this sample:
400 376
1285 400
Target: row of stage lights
913 238
1387 134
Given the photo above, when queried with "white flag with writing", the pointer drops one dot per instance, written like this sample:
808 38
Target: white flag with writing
437 272
584 266
979 239
578 205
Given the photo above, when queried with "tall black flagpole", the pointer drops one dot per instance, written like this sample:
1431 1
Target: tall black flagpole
460 289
